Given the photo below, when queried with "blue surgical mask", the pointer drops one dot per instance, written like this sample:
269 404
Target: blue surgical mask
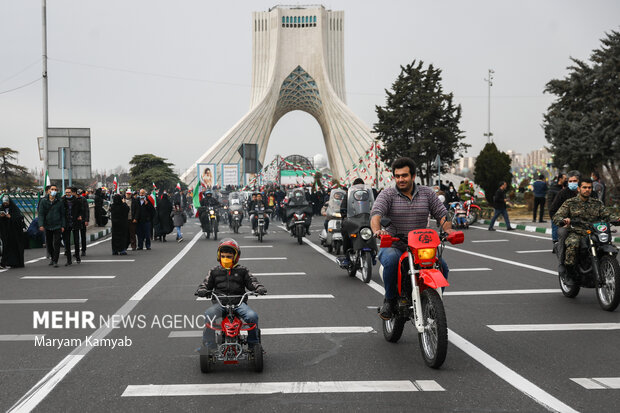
573 186
53 193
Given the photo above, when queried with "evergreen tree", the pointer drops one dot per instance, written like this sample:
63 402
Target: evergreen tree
420 121
12 175
492 167
148 169
583 123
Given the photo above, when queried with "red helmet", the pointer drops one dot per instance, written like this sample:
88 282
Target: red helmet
229 243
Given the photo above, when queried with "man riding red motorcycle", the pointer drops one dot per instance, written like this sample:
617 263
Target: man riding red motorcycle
408 206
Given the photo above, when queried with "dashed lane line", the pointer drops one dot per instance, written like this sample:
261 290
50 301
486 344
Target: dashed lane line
531 251
598 383
263 259
555 327
67 277
46 301
489 257
513 233
19 337
287 331
261 274
504 292
490 240
469 269
281 297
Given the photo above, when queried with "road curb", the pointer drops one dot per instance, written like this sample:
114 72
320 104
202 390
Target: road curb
99 234
531 228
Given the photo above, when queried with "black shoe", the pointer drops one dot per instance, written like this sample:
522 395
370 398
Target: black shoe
51 263
78 260
115 253
84 253
68 263
491 229
55 265
511 229
534 220
542 222
387 310
148 248
139 248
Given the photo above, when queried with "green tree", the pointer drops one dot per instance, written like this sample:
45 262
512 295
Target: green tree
148 169
12 175
492 167
420 121
583 123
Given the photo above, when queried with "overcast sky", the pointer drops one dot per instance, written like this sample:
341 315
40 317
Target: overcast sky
170 77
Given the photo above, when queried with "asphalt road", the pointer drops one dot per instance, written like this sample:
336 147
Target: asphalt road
516 344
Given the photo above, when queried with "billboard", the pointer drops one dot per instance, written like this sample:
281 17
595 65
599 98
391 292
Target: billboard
230 174
207 174
76 144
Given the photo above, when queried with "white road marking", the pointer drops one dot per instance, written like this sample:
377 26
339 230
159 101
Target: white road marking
89 245
255 246
39 391
531 251
518 264
597 383
286 331
113 260
491 240
504 292
555 327
260 274
513 233
263 259
229 389
19 337
281 297
67 277
469 269
510 376
46 301
35 260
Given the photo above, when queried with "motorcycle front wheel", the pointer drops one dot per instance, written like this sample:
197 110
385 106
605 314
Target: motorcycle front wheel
473 217
260 235
257 358
607 292
300 234
366 267
569 291
393 328
434 339
205 363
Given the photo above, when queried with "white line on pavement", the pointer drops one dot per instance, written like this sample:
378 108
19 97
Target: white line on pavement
263 259
39 391
513 233
503 292
121 260
555 327
597 383
46 301
282 297
228 389
260 274
35 260
89 245
286 331
255 246
468 269
518 264
531 251
67 277
19 337
490 240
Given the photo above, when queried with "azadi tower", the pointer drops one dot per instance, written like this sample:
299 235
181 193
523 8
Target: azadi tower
297 64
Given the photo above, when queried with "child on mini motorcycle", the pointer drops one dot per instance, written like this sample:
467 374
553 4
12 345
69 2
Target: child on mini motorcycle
229 278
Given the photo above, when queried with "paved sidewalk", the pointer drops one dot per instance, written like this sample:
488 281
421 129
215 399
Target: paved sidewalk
94 232
528 225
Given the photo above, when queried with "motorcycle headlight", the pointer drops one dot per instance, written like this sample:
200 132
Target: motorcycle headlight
212 212
366 233
337 215
236 212
603 238
426 253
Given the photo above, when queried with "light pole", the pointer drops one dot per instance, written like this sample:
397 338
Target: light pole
44 75
489 80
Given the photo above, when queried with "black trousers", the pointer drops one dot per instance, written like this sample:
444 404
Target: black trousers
539 201
83 237
66 239
52 240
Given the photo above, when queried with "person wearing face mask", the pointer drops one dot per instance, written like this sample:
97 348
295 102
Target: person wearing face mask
567 193
554 190
229 278
73 220
52 220
451 195
11 233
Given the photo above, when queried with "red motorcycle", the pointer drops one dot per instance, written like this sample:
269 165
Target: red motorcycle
232 344
420 284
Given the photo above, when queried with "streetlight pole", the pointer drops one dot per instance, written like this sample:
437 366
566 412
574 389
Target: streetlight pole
489 81
44 76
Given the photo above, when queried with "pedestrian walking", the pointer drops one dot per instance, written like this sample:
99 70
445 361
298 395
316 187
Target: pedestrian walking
83 198
52 221
130 201
73 220
144 212
100 218
164 218
540 196
11 234
120 227
499 203
553 191
178 219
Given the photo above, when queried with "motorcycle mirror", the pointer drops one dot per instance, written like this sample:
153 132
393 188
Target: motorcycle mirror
456 237
385 222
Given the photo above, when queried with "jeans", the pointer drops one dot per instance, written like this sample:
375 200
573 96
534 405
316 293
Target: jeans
554 232
143 230
179 235
244 311
389 258
499 212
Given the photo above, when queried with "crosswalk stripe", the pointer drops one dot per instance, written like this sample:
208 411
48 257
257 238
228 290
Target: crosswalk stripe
46 301
282 297
229 389
285 331
555 327
597 383
67 277
18 337
504 292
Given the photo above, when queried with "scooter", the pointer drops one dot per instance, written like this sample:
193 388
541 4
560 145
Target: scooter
597 265
231 339
363 252
332 238
420 284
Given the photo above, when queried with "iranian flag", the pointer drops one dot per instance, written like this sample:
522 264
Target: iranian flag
153 197
115 185
179 186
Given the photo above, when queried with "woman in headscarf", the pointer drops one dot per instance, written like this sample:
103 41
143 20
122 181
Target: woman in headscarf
120 225
11 234
164 208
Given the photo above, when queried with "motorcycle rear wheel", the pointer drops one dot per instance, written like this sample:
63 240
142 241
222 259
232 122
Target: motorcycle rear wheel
393 328
257 358
569 291
608 294
434 340
300 234
260 235
366 267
